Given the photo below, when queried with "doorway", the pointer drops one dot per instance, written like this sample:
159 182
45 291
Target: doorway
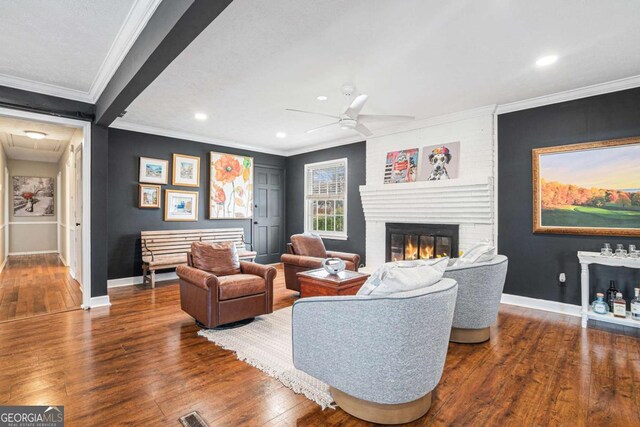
268 214
67 256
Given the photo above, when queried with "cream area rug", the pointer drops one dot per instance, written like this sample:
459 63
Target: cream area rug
266 344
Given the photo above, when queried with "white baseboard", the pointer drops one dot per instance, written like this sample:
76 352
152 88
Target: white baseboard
102 301
541 304
2 266
64 261
137 280
33 252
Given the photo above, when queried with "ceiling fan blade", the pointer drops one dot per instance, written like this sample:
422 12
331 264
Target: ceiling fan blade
363 129
383 118
356 106
321 127
312 112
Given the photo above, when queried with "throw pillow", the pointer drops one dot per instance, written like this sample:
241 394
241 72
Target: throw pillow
480 252
308 244
404 276
220 259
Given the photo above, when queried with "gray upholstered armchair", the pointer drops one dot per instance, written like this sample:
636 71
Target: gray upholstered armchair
479 290
381 355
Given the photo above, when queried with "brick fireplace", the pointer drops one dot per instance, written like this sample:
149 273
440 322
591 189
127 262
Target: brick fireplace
420 241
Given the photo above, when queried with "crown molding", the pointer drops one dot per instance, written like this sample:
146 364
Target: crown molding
570 95
44 88
153 130
134 23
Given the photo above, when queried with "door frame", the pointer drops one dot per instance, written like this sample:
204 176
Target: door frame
284 205
86 186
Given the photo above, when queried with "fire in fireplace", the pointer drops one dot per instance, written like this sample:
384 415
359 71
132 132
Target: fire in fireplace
420 241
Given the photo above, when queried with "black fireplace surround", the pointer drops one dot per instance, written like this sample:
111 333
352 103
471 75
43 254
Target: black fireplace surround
420 241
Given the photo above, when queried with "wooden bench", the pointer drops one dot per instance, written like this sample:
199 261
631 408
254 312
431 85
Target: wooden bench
168 249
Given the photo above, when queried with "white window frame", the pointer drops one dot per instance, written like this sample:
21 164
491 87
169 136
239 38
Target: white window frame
336 235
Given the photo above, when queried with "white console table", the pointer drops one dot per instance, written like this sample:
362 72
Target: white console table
587 258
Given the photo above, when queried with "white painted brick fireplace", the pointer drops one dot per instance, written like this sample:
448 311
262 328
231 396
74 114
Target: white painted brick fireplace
469 201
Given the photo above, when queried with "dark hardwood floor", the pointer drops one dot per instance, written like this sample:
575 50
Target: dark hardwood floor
141 363
32 285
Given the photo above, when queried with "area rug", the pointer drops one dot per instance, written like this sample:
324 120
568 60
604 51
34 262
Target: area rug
266 344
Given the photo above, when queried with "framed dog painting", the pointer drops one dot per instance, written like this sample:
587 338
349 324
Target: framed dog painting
440 162
590 188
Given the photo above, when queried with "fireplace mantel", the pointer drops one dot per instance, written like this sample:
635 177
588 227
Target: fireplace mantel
459 201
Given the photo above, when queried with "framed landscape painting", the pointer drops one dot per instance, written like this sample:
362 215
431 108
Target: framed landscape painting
154 171
231 186
148 196
591 188
186 170
180 205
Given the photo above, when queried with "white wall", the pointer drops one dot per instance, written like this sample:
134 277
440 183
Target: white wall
32 234
5 188
477 169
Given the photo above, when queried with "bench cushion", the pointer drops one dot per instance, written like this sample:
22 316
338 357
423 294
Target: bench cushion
240 285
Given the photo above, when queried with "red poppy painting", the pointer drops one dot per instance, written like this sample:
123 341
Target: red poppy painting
231 186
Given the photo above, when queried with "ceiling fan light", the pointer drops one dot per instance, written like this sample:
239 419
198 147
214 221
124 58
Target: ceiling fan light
33 134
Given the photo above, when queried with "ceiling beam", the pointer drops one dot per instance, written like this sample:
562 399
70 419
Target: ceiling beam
173 26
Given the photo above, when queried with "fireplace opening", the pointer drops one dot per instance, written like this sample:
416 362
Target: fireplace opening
420 241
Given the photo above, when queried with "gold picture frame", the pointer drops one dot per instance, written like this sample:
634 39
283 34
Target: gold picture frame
153 171
186 170
146 201
180 205
590 188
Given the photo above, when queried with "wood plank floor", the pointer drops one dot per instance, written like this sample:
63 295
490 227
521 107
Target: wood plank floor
32 285
140 363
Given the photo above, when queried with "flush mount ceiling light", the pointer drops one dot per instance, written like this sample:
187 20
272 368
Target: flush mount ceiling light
33 134
322 98
546 60
281 135
200 116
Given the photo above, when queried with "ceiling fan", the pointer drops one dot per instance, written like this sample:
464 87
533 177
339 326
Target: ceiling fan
350 118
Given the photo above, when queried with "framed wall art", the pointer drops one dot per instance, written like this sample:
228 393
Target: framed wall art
33 196
401 166
231 186
149 196
591 188
440 162
186 170
180 205
154 171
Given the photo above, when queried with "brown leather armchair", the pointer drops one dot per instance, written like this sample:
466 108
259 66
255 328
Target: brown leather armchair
217 289
306 252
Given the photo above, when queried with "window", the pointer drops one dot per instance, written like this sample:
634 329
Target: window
325 194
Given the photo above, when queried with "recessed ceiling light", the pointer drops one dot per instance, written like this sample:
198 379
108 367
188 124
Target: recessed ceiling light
35 134
281 135
322 98
200 116
546 60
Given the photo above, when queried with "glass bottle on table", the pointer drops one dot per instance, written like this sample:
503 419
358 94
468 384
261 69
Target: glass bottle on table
635 305
619 306
611 294
599 305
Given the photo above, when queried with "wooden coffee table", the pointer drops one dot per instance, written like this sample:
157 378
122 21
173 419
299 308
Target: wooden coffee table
315 283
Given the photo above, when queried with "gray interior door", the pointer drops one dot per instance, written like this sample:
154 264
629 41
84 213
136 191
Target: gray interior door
268 214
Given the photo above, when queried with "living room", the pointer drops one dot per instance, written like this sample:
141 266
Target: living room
302 213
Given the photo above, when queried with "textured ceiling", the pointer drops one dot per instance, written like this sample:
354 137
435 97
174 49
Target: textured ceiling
59 42
415 57
17 145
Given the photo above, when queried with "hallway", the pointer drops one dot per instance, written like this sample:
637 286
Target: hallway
33 285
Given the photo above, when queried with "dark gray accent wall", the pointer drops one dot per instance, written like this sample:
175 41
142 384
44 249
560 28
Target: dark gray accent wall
536 260
126 220
356 155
